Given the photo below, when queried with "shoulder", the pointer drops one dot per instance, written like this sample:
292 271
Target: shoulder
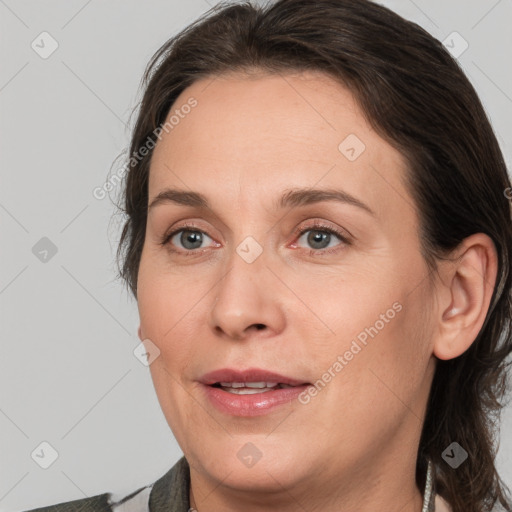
167 494
170 493
98 503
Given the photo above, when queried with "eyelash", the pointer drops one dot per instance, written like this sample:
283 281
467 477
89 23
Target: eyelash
316 226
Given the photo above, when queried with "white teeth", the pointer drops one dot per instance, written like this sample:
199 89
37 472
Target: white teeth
246 391
248 388
232 384
258 385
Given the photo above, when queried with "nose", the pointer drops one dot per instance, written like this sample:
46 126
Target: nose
248 302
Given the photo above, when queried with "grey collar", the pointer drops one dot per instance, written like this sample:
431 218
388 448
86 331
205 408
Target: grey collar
429 492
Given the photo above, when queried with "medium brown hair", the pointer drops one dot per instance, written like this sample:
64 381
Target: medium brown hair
417 98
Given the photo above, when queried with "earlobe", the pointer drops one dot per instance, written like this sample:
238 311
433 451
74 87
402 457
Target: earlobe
470 283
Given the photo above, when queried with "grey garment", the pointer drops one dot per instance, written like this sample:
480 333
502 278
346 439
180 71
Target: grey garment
135 502
168 494
171 493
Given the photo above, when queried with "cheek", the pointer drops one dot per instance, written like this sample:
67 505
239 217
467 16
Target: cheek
167 301
375 331
167 318
160 309
388 373
377 381
357 306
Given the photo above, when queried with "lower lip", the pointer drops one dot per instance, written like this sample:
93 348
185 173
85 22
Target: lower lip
255 404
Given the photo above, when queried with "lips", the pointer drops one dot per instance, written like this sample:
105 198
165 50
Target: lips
251 375
252 392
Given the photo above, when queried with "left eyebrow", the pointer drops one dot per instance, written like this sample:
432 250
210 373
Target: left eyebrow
305 196
291 198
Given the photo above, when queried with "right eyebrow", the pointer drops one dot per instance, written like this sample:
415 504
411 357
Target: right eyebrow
181 197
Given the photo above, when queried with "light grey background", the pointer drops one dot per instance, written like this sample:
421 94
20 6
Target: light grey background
67 369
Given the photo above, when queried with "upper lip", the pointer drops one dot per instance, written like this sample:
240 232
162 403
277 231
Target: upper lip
249 375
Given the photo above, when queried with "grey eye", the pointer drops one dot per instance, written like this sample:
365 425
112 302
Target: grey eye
189 238
318 238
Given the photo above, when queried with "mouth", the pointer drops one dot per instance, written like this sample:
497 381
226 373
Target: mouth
250 388
251 392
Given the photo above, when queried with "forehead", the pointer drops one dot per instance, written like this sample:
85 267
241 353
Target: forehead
263 132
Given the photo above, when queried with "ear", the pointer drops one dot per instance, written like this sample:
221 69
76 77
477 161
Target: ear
464 296
139 332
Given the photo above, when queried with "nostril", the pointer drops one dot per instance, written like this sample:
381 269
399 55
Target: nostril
260 326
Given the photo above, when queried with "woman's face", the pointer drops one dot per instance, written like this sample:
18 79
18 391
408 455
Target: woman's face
240 288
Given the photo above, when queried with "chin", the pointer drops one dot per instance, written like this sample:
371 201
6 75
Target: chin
252 462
